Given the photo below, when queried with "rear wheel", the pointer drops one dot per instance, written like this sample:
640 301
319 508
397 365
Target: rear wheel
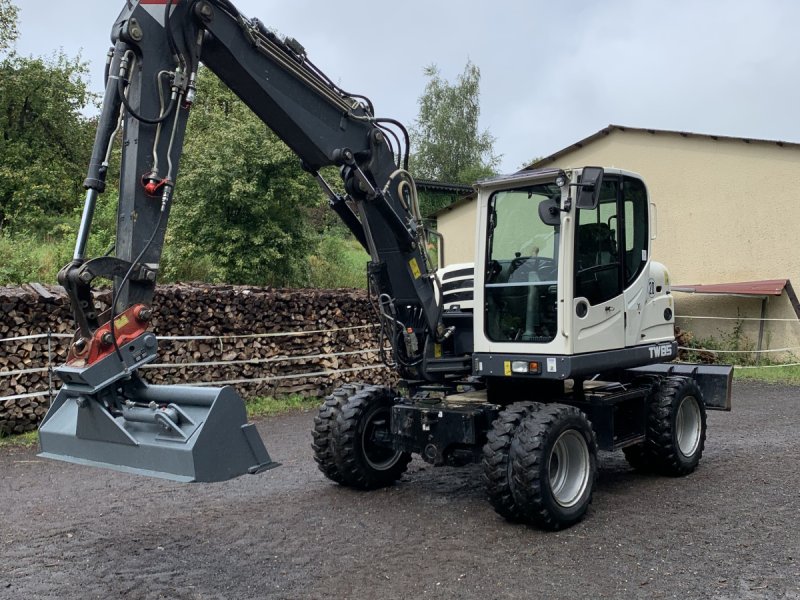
676 426
554 465
676 429
361 444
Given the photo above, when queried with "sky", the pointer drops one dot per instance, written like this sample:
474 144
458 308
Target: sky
552 72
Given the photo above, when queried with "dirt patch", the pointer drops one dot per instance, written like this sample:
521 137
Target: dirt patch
727 531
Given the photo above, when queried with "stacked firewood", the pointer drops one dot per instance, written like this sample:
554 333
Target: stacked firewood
290 341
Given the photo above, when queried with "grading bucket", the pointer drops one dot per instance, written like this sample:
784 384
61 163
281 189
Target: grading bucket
181 433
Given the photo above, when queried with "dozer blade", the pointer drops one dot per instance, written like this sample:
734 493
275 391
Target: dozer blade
181 433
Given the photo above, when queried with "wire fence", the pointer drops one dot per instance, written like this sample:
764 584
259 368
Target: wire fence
222 338
757 353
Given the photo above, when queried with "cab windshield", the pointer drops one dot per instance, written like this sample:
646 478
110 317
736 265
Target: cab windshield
522 266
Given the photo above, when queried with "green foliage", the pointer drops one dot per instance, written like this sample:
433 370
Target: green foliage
528 163
44 138
38 252
8 25
27 258
732 348
339 262
431 201
241 198
449 146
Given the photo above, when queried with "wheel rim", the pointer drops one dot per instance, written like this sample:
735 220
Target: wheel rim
376 425
688 426
569 467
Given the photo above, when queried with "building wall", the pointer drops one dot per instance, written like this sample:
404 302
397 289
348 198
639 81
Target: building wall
457 225
727 211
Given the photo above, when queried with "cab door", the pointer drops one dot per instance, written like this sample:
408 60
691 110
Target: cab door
636 246
598 306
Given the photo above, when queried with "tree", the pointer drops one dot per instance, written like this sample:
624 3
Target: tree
45 140
449 146
241 197
530 162
8 25
44 137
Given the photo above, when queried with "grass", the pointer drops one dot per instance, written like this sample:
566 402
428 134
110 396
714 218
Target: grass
30 259
22 440
267 406
786 375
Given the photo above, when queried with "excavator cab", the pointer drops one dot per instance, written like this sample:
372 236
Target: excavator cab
568 269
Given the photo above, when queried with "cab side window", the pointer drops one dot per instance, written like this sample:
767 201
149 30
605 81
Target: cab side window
634 196
597 248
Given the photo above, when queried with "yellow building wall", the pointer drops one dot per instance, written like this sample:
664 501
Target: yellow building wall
727 211
457 226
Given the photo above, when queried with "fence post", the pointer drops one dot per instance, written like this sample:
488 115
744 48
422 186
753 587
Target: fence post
761 329
50 365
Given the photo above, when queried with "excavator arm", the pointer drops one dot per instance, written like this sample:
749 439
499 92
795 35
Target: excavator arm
105 413
152 73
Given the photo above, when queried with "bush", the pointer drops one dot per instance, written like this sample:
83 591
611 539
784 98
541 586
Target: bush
29 258
339 263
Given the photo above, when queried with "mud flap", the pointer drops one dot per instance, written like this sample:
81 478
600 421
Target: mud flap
181 433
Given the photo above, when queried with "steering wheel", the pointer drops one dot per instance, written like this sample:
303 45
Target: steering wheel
523 265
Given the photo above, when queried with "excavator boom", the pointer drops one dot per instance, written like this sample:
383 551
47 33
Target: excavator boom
105 414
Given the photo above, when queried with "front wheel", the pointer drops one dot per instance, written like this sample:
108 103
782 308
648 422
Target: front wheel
554 466
360 442
497 461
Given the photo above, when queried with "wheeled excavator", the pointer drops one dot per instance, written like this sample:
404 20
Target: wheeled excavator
554 344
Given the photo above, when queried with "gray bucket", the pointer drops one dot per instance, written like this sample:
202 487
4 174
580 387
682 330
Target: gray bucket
181 433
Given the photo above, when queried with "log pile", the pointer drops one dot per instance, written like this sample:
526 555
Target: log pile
338 322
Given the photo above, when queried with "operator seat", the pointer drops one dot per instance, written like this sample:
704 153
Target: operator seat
597 247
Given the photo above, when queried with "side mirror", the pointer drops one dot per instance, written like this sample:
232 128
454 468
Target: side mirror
549 211
589 187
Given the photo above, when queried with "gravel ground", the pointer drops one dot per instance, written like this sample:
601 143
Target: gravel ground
730 530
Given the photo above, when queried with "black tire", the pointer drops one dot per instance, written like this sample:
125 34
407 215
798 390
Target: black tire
323 429
554 466
637 455
359 461
496 460
676 427
638 458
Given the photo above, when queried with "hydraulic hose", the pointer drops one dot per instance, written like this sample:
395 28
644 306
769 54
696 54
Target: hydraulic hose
170 107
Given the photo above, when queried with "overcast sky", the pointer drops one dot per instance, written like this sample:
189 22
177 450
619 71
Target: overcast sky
551 72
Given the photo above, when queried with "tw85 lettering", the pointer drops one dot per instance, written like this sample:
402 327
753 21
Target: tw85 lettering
661 351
